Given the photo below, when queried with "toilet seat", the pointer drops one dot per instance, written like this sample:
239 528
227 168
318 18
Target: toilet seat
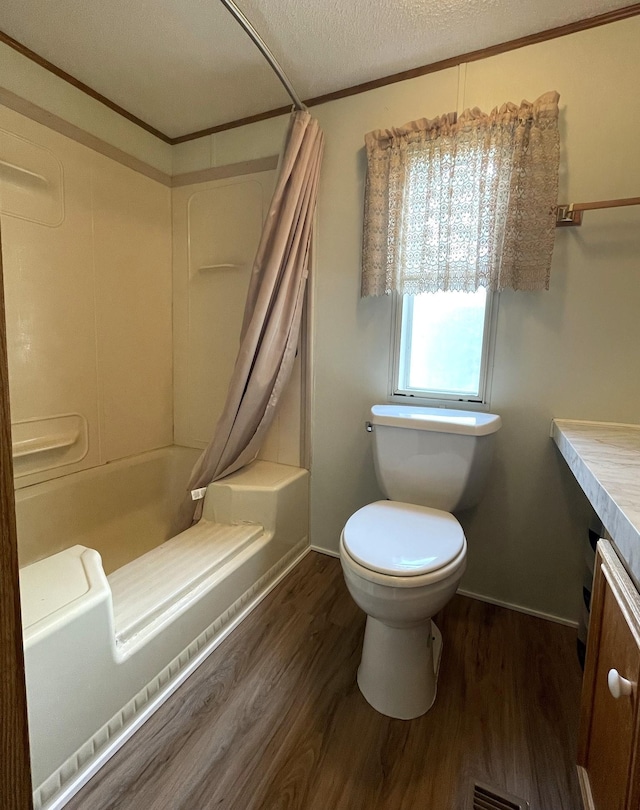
402 540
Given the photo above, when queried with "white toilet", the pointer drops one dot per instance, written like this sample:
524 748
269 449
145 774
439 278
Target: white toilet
403 558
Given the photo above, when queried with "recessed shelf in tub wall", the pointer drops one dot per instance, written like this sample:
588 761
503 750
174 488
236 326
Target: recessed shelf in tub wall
11 167
31 178
44 444
221 266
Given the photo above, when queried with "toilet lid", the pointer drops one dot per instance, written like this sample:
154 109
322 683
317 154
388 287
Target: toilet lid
402 539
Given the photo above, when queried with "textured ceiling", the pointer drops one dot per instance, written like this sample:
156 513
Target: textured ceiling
185 65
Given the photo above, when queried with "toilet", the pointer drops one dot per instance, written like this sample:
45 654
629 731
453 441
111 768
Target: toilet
403 558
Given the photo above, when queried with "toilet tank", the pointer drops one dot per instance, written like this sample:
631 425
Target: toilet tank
436 457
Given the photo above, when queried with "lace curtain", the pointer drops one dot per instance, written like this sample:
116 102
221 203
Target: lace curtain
457 204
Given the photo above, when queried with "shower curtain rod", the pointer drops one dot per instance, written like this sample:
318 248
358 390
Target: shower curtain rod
264 50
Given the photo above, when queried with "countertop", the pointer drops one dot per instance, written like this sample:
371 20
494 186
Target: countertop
605 459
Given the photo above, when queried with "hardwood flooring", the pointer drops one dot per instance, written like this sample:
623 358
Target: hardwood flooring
274 718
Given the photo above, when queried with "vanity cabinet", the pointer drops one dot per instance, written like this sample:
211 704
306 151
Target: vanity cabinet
609 740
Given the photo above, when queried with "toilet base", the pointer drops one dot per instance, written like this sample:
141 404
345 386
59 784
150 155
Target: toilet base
398 672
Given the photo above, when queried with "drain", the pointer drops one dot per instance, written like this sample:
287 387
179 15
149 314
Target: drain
488 798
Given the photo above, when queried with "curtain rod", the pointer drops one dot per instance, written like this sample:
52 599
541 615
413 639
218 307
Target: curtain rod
264 50
572 214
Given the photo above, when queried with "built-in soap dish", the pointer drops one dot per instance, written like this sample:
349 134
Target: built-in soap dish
44 444
32 181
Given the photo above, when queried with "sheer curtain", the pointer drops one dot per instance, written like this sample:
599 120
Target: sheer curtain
461 203
273 310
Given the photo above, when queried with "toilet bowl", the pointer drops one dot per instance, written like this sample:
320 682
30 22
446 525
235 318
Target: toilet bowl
403 558
402 563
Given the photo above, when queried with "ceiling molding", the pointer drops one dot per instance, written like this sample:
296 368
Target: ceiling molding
240 122
483 53
472 56
67 77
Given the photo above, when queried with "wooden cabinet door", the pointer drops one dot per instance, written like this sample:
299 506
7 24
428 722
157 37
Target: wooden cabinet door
609 739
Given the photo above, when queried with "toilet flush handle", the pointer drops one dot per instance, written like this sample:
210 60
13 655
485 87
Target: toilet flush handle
618 686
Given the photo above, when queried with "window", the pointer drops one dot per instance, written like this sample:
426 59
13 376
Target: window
458 208
443 345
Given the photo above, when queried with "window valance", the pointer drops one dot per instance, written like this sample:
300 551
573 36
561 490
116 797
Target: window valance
457 203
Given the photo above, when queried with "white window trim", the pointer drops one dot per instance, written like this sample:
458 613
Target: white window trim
483 401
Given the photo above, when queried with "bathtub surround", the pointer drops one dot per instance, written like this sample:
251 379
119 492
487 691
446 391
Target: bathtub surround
270 333
141 627
81 509
94 308
87 256
90 292
216 227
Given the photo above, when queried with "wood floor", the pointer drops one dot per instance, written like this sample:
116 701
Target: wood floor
274 719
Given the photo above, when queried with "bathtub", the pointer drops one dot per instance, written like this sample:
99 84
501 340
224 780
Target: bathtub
121 611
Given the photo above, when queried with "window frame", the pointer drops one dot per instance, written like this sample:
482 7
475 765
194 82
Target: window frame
440 398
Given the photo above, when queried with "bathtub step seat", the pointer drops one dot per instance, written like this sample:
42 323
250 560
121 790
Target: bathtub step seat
101 651
153 589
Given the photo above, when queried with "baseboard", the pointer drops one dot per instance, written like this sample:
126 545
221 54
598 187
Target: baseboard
326 551
74 774
585 789
550 617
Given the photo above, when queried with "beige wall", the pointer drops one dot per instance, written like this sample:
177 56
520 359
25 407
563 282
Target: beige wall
259 140
216 231
87 263
573 352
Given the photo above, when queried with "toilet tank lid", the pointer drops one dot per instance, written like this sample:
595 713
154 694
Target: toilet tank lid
440 420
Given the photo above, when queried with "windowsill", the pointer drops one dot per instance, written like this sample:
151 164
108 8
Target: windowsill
429 402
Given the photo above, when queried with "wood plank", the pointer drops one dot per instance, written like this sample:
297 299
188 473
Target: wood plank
613 722
274 718
15 773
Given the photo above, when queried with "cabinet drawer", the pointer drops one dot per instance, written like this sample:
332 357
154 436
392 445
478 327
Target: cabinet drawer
608 747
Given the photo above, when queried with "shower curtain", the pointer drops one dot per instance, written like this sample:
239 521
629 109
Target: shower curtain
273 311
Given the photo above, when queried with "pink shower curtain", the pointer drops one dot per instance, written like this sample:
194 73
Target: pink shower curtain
273 311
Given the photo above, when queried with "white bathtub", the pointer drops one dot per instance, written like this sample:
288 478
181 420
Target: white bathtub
101 649
121 509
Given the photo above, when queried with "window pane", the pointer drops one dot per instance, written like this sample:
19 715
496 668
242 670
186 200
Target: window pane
444 339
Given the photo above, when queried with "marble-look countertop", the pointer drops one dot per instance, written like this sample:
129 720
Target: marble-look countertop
605 459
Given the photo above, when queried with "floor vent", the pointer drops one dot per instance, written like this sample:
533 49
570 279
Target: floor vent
488 798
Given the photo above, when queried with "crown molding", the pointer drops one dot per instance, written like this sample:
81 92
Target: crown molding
616 15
